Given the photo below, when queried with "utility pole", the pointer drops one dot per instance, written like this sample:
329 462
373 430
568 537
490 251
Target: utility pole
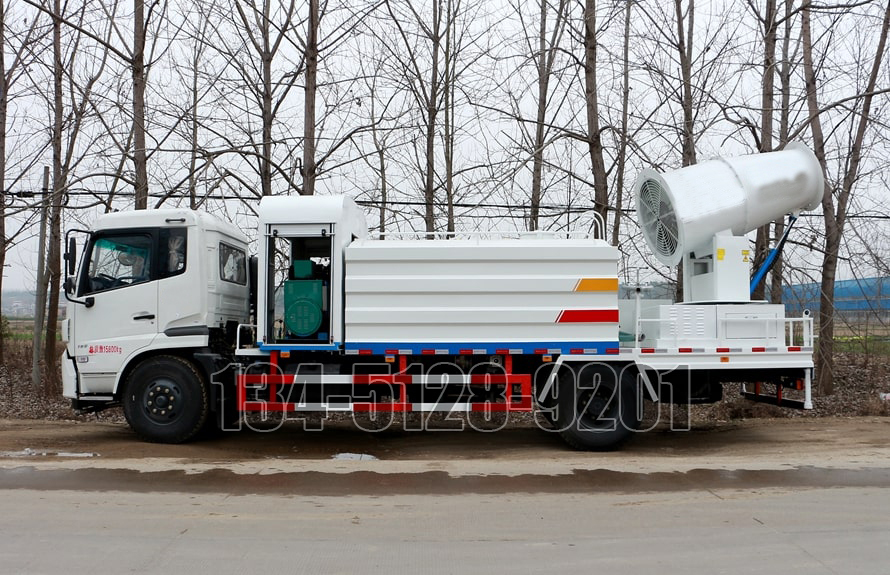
40 302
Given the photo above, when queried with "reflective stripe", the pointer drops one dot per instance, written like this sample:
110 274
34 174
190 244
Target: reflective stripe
588 316
597 284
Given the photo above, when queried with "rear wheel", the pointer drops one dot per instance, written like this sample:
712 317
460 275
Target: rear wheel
165 400
598 407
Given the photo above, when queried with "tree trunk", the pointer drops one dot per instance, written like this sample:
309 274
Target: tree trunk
193 119
4 103
53 263
383 190
538 151
761 243
140 161
546 55
784 71
594 136
622 146
835 217
687 137
432 110
448 108
266 64
311 53
684 52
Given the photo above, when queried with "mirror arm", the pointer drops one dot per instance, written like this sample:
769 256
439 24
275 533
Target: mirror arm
70 258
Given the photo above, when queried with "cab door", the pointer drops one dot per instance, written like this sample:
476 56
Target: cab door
119 280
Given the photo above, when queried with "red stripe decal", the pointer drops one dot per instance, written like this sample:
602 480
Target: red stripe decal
588 316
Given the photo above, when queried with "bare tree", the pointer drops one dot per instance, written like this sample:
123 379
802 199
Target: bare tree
382 121
687 64
768 21
427 54
537 89
140 162
621 161
835 202
425 85
22 52
265 37
594 134
685 55
784 73
53 272
66 129
268 47
548 47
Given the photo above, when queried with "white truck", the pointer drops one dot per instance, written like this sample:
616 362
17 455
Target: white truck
172 319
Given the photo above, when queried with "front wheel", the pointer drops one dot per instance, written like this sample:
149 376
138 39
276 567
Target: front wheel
598 407
165 400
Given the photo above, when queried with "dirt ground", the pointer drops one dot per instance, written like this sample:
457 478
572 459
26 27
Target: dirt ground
752 444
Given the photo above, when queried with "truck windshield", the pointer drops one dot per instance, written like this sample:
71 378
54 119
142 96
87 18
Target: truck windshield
117 261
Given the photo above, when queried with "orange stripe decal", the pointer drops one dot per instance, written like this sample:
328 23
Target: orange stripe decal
597 284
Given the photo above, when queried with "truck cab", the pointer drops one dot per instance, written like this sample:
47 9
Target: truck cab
149 282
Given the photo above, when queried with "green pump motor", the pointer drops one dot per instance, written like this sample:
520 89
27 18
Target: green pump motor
303 301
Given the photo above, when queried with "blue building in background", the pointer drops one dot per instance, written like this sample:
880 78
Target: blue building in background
855 300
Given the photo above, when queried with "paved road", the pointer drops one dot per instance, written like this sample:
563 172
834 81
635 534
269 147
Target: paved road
766 531
779 497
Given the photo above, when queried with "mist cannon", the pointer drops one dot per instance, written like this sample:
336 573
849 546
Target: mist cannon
700 214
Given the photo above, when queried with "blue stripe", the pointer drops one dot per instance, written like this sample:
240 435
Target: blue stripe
527 347
297 347
452 348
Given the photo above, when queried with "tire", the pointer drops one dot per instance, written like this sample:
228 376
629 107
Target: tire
597 409
165 400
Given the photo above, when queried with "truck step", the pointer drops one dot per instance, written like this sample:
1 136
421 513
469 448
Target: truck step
777 399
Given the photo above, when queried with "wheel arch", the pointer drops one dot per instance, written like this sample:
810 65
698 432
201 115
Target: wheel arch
541 386
185 353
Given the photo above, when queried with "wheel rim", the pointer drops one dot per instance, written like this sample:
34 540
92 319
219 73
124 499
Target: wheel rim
162 401
597 408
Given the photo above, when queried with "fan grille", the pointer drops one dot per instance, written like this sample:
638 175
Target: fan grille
658 220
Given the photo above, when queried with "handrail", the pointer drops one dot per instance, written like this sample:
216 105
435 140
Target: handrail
792 331
594 232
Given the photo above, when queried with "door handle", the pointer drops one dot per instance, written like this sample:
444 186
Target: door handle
144 316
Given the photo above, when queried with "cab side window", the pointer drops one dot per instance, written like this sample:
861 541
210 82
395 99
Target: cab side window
172 251
118 260
232 264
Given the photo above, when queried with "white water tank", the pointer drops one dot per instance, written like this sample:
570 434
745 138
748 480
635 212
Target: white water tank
682 210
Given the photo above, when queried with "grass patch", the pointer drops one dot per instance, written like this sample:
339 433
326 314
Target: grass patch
873 345
19 336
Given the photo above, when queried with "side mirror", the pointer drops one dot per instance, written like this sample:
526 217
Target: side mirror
71 256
